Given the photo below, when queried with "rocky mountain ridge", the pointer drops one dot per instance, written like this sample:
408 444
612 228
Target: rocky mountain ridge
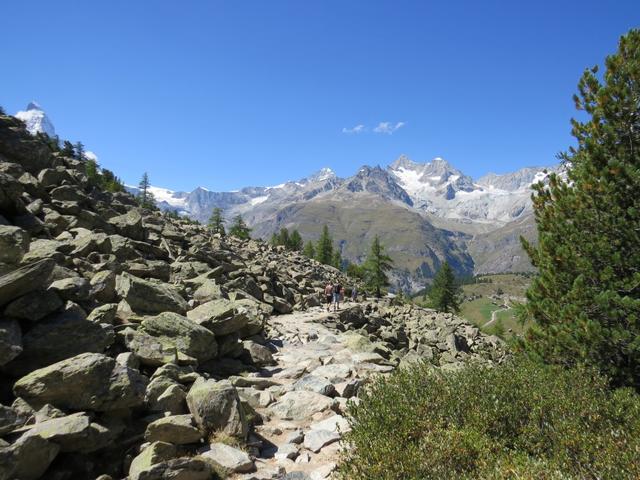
134 345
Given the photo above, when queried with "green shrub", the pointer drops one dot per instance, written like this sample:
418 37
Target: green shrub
519 420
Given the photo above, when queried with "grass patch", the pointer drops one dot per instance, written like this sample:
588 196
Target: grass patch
519 420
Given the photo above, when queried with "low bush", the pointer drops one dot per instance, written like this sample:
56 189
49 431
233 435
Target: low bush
520 420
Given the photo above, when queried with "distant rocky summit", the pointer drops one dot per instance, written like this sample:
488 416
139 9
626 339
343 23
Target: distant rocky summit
134 345
36 120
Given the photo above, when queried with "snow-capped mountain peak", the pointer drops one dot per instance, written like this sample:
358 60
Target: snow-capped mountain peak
36 120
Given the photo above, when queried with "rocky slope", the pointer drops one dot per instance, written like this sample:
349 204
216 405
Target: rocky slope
133 345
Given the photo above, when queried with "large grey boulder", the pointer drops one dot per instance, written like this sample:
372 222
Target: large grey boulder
315 440
312 383
234 460
257 354
89 381
147 297
24 280
10 341
27 459
175 429
216 406
34 306
151 351
209 290
299 405
59 336
155 453
187 336
73 433
10 419
129 225
221 316
75 289
14 243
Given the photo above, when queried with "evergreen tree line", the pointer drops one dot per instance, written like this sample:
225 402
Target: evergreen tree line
291 241
238 229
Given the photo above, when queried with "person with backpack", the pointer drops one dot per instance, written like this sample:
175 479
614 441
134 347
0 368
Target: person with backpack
328 295
337 291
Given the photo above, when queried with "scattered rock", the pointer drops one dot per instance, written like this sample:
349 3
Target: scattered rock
229 458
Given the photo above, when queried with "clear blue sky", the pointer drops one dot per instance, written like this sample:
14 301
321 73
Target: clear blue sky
231 93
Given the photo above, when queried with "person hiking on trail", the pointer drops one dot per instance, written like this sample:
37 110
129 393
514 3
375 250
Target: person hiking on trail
354 293
337 291
328 295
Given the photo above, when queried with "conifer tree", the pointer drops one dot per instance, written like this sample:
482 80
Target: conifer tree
295 241
67 149
2 111
309 250
283 237
585 300
376 266
445 293
324 249
240 229
337 259
145 197
79 151
274 240
91 170
216 222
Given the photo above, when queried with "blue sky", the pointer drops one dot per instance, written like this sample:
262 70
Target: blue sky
226 94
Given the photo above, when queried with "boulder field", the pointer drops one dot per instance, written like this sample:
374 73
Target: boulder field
136 345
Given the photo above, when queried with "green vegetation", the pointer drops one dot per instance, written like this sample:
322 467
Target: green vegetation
291 241
585 302
324 247
239 229
519 420
145 197
445 292
216 222
376 266
309 250
101 177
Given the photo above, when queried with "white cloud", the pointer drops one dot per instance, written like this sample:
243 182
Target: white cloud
356 129
90 155
388 128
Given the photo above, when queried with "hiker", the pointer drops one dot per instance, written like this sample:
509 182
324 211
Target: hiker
337 291
328 295
354 293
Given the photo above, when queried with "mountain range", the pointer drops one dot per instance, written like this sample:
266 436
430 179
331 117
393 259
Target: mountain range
423 212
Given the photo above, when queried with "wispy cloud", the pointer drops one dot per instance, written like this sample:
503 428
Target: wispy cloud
356 129
388 128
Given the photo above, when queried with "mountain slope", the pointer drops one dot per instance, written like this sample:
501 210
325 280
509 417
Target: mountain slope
36 120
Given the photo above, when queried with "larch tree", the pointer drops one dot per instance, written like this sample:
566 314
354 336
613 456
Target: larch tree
376 266
216 222
240 229
445 293
324 248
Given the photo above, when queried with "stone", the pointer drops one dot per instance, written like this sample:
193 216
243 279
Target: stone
172 400
220 316
299 405
34 306
128 359
146 297
60 336
176 429
104 314
183 468
335 423
216 407
229 458
89 381
103 286
24 280
209 290
27 459
312 383
348 388
43 249
288 450
10 341
297 436
151 351
10 419
257 354
129 225
187 336
155 453
335 372
315 440
323 472
75 289
14 243
73 433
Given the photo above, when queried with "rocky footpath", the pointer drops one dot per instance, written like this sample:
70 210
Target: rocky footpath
134 345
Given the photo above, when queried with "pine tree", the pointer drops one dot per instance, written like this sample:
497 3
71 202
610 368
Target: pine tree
216 222
585 300
309 250
2 111
295 241
91 170
274 240
67 149
324 248
283 238
445 293
376 266
240 229
145 197
337 259
79 151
